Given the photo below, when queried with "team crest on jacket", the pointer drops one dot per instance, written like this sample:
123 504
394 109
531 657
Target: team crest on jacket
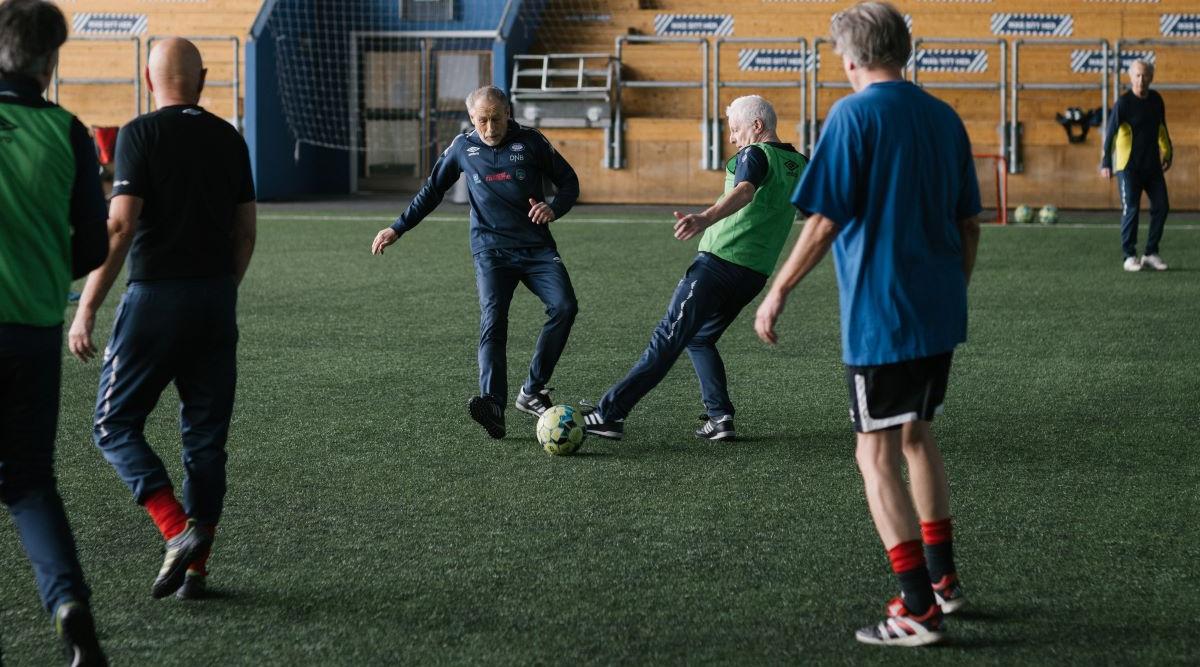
517 147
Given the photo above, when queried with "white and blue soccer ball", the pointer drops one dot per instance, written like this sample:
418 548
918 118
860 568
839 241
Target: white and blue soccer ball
560 431
1023 215
1048 215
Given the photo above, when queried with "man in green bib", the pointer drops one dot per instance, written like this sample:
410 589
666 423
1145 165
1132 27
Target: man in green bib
744 233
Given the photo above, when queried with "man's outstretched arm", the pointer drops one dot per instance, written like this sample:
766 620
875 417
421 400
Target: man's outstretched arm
445 174
124 212
812 246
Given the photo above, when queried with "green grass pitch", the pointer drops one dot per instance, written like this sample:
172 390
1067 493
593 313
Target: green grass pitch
369 521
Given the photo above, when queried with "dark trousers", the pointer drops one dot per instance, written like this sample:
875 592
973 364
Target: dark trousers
1132 184
497 274
707 300
30 370
183 331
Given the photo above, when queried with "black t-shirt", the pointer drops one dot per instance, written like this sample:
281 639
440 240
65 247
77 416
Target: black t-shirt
752 164
192 169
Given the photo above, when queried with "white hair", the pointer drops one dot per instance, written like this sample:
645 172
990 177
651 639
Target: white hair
1145 64
491 93
872 34
749 108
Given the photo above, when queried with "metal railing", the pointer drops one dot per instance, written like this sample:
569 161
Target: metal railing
234 84
718 83
135 80
1001 84
615 152
578 80
1014 165
815 85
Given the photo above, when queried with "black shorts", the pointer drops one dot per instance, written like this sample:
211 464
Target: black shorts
884 397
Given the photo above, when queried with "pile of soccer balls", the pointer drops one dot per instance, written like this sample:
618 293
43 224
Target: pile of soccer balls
1047 215
560 430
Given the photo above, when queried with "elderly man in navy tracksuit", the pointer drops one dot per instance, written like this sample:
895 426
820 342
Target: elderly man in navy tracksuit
504 164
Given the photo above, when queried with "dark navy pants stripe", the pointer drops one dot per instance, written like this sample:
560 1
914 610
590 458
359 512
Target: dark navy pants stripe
1132 184
497 274
704 304
181 331
30 371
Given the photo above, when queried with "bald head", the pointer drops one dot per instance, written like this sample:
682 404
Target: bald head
176 72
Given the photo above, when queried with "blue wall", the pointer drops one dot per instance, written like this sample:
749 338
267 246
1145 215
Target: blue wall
286 169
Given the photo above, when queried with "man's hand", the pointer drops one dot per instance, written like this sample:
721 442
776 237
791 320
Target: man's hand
768 313
1105 172
79 339
687 226
540 212
1166 164
383 239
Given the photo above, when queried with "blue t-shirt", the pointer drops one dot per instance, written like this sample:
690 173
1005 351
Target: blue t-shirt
893 169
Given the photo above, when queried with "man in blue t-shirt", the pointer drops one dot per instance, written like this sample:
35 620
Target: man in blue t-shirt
504 164
892 189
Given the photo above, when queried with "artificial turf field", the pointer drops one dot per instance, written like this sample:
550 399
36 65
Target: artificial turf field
370 521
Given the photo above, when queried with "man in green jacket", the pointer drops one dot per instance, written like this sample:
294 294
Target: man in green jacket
744 233
52 229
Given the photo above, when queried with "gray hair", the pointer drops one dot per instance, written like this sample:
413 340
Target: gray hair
750 108
1145 64
491 93
872 34
30 33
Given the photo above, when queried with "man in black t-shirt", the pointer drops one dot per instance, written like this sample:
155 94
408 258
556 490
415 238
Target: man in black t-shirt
183 210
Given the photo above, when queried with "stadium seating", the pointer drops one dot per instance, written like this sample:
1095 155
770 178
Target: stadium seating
663 126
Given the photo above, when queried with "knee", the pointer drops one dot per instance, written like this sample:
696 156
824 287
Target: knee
563 310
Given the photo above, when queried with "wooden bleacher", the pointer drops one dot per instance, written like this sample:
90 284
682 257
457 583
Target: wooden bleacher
662 146
113 104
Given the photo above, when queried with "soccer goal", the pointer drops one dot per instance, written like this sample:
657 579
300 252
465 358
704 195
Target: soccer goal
992 172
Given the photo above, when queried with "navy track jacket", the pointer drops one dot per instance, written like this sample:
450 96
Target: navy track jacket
500 182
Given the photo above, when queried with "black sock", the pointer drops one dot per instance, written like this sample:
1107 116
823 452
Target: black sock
916 589
939 558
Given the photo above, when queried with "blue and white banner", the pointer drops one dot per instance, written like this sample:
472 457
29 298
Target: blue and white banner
951 60
1179 25
1092 60
1058 25
109 24
693 24
773 60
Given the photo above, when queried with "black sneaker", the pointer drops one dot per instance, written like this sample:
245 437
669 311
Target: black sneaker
719 428
595 424
182 550
195 587
535 403
489 414
74 624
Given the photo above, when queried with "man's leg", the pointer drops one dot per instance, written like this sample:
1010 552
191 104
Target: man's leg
697 295
1160 206
931 496
495 281
136 369
30 367
1131 199
710 368
547 278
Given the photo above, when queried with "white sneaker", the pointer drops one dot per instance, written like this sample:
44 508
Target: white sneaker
1133 264
1155 262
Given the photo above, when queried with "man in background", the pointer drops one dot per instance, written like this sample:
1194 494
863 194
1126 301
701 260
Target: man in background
1137 147
51 231
183 210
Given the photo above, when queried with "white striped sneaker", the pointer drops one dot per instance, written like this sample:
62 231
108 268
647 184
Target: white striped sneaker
902 628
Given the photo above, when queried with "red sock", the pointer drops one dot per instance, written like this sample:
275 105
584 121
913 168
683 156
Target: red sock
906 556
201 566
936 532
166 512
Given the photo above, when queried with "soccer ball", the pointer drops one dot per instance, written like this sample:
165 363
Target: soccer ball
1023 214
559 432
1048 215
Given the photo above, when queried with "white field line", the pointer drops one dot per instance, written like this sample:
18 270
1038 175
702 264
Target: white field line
644 221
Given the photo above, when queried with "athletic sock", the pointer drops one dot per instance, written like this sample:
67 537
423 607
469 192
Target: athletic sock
939 547
166 512
200 566
909 565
